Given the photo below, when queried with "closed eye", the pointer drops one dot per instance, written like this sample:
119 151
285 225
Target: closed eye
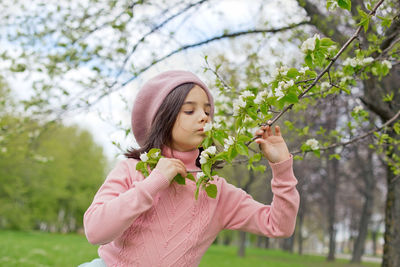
189 112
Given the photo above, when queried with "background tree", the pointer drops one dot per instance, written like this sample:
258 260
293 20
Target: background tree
76 42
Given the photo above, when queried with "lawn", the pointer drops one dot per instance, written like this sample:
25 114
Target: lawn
44 249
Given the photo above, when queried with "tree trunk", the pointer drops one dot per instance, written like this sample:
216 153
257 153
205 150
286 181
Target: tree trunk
370 182
262 241
374 241
332 191
288 244
359 243
300 238
391 248
242 244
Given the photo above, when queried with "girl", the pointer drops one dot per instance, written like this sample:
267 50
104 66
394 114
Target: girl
153 222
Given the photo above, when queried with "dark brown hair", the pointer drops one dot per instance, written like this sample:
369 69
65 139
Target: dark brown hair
161 128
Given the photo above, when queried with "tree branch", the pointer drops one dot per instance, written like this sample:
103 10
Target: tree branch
327 68
358 138
112 88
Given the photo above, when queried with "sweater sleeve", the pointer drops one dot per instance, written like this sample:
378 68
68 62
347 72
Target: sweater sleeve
119 201
241 212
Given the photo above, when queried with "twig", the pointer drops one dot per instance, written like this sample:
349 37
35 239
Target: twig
355 139
327 68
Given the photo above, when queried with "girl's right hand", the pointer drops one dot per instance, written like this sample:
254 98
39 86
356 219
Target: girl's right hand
171 167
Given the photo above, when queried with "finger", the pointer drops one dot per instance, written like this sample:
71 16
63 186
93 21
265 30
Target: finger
260 141
182 171
269 131
277 131
259 132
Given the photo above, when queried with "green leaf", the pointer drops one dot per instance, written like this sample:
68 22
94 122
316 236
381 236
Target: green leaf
259 168
291 98
244 138
336 156
207 142
212 190
191 177
142 167
345 4
308 60
292 73
242 148
319 57
196 193
232 153
386 22
326 42
364 19
219 136
179 179
206 168
298 157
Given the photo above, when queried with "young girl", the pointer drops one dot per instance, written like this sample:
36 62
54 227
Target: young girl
152 222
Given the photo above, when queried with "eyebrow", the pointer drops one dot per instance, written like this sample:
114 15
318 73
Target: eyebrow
195 103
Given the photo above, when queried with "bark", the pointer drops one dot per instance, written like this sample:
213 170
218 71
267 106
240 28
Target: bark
332 192
242 244
370 183
242 235
374 242
262 242
374 90
288 244
300 221
391 248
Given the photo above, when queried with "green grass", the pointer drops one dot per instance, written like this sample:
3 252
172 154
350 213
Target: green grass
44 249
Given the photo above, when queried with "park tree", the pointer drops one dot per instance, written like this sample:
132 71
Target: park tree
76 53
47 176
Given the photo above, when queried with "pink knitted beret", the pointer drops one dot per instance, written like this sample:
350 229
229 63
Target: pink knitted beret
152 94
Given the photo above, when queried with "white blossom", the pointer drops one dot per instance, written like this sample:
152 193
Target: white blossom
303 70
325 85
205 154
144 157
1 138
387 64
3 150
358 108
351 62
279 93
367 60
354 62
237 105
281 70
333 6
200 175
203 160
155 155
228 142
346 79
313 143
258 99
309 44
211 150
246 93
208 126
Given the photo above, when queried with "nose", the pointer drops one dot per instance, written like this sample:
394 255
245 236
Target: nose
203 117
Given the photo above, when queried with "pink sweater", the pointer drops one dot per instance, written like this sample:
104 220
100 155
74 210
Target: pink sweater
148 222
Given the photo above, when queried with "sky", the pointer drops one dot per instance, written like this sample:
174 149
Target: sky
232 15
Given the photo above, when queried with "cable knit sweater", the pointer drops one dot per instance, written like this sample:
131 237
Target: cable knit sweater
150 222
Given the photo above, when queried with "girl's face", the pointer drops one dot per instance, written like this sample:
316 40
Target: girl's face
188 129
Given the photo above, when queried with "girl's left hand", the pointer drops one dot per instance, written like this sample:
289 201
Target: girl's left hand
273 146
